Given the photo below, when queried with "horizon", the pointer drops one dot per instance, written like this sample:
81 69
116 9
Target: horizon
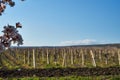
65 22
71 45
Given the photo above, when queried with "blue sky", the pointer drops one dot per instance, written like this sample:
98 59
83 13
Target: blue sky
65 22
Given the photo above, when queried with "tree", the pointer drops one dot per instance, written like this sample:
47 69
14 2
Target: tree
10 33
4 3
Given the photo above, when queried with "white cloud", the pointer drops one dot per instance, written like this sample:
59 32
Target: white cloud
79 42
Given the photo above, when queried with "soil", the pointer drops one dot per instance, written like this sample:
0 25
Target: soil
59 72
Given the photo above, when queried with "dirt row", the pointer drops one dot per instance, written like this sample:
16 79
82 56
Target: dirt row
58 72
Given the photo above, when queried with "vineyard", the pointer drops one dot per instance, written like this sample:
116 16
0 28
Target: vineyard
60 61
60 57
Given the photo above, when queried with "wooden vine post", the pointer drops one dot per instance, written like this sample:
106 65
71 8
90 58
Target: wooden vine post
93 59
106 57
100 57
42 51
28 61
48 61
119 56
71 52
64 58
34 64
83 59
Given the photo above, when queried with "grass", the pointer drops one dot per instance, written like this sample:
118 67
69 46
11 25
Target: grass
116 77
